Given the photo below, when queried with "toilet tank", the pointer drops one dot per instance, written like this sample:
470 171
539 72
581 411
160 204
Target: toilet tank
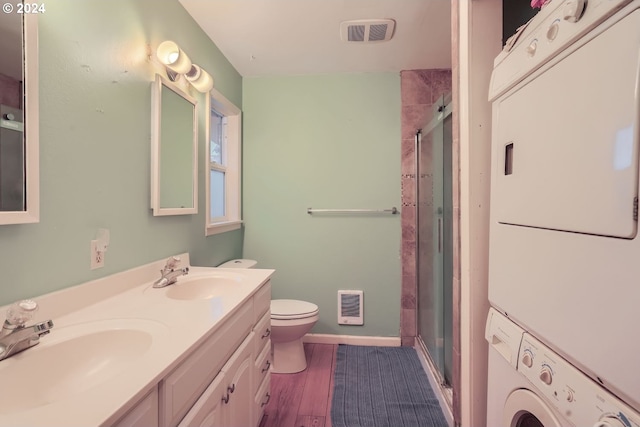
239 263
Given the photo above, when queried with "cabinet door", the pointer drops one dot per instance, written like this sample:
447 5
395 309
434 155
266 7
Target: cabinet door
207 411
237 411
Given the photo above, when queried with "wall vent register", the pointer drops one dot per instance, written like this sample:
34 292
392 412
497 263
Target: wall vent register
350 310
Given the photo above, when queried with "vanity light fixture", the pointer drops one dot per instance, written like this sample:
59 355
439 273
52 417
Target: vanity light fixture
199 79
177 62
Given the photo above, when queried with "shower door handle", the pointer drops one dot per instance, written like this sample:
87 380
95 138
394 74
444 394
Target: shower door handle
440 235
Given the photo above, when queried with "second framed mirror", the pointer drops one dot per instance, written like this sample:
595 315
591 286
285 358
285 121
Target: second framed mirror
174 150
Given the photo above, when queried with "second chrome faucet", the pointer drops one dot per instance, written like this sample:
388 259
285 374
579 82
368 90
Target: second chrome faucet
170 273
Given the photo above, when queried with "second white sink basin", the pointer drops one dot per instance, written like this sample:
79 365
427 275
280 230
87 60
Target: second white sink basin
204 287
73 359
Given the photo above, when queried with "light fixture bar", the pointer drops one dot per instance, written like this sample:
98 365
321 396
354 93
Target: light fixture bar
177 62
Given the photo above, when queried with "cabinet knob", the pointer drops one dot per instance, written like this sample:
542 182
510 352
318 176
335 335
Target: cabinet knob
266 334
225 399
267 367
231 388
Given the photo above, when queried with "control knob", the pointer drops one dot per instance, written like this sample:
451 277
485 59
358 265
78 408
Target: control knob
545 376
570 396
552 31
610 421
573 10
532 48
527 360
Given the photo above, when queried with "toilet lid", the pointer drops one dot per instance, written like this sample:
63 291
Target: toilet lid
292 309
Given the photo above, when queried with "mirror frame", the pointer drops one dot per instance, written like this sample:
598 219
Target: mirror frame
156 114
32 126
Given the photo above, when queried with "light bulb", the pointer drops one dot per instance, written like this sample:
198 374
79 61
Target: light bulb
170 54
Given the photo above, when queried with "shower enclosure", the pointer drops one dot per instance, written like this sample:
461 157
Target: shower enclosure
434 252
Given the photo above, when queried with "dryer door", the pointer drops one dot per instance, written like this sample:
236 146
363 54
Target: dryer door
524 408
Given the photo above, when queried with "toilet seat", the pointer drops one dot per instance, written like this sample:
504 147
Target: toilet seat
285 309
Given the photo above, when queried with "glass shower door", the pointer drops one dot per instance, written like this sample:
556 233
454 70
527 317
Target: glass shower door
435 240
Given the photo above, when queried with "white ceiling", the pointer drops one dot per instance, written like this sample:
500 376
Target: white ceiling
298 37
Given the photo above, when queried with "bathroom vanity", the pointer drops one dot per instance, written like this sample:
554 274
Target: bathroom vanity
122 353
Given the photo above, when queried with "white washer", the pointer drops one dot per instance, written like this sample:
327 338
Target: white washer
564 249
531 386
510 399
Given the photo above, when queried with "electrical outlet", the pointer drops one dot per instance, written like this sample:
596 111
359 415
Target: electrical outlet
97 257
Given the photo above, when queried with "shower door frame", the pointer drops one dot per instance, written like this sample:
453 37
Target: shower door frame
444 108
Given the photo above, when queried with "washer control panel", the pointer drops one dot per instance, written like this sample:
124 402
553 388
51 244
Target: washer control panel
575 395
555 27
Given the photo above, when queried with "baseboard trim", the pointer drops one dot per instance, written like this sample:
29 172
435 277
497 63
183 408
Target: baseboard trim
351 339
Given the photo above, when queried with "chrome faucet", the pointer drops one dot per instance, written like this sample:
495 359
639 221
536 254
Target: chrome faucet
15 336
169 274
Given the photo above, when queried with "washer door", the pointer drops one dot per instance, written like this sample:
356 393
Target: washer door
524 408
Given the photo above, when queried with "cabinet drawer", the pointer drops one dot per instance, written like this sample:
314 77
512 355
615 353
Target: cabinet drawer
182 387
263 332
144 414
261 400
263 364
261 301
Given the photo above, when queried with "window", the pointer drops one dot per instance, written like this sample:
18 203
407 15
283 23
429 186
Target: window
223 172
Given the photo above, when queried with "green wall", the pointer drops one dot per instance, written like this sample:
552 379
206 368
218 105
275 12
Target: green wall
95 113
328 141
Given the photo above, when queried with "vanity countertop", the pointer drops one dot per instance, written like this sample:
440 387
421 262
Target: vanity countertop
126 337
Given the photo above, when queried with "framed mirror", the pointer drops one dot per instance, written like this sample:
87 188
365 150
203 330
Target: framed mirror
174 150
19 124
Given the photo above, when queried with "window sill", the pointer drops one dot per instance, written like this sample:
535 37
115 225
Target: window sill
222 227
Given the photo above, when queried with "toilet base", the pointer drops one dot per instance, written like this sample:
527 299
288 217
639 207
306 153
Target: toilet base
288 357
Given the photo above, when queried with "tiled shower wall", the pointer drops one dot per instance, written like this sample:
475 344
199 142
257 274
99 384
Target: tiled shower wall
420 89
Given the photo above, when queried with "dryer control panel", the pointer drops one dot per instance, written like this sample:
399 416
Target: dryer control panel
556 26
574 394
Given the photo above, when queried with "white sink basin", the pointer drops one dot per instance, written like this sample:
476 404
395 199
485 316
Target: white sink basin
204 287
73 359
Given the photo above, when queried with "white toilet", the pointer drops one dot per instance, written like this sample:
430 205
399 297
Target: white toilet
290 321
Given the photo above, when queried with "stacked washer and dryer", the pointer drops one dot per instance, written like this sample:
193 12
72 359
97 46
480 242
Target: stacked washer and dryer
564 260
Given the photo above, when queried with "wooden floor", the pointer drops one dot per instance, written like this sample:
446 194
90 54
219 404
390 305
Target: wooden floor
303 399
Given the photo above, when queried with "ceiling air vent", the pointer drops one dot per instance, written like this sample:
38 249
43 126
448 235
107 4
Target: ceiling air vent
367 30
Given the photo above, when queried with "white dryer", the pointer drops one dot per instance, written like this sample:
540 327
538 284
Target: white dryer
564 244
531 386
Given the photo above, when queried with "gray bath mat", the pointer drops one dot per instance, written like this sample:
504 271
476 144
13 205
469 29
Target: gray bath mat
382 387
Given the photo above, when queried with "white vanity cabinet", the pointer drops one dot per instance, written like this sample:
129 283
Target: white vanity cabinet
217 384
191 354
